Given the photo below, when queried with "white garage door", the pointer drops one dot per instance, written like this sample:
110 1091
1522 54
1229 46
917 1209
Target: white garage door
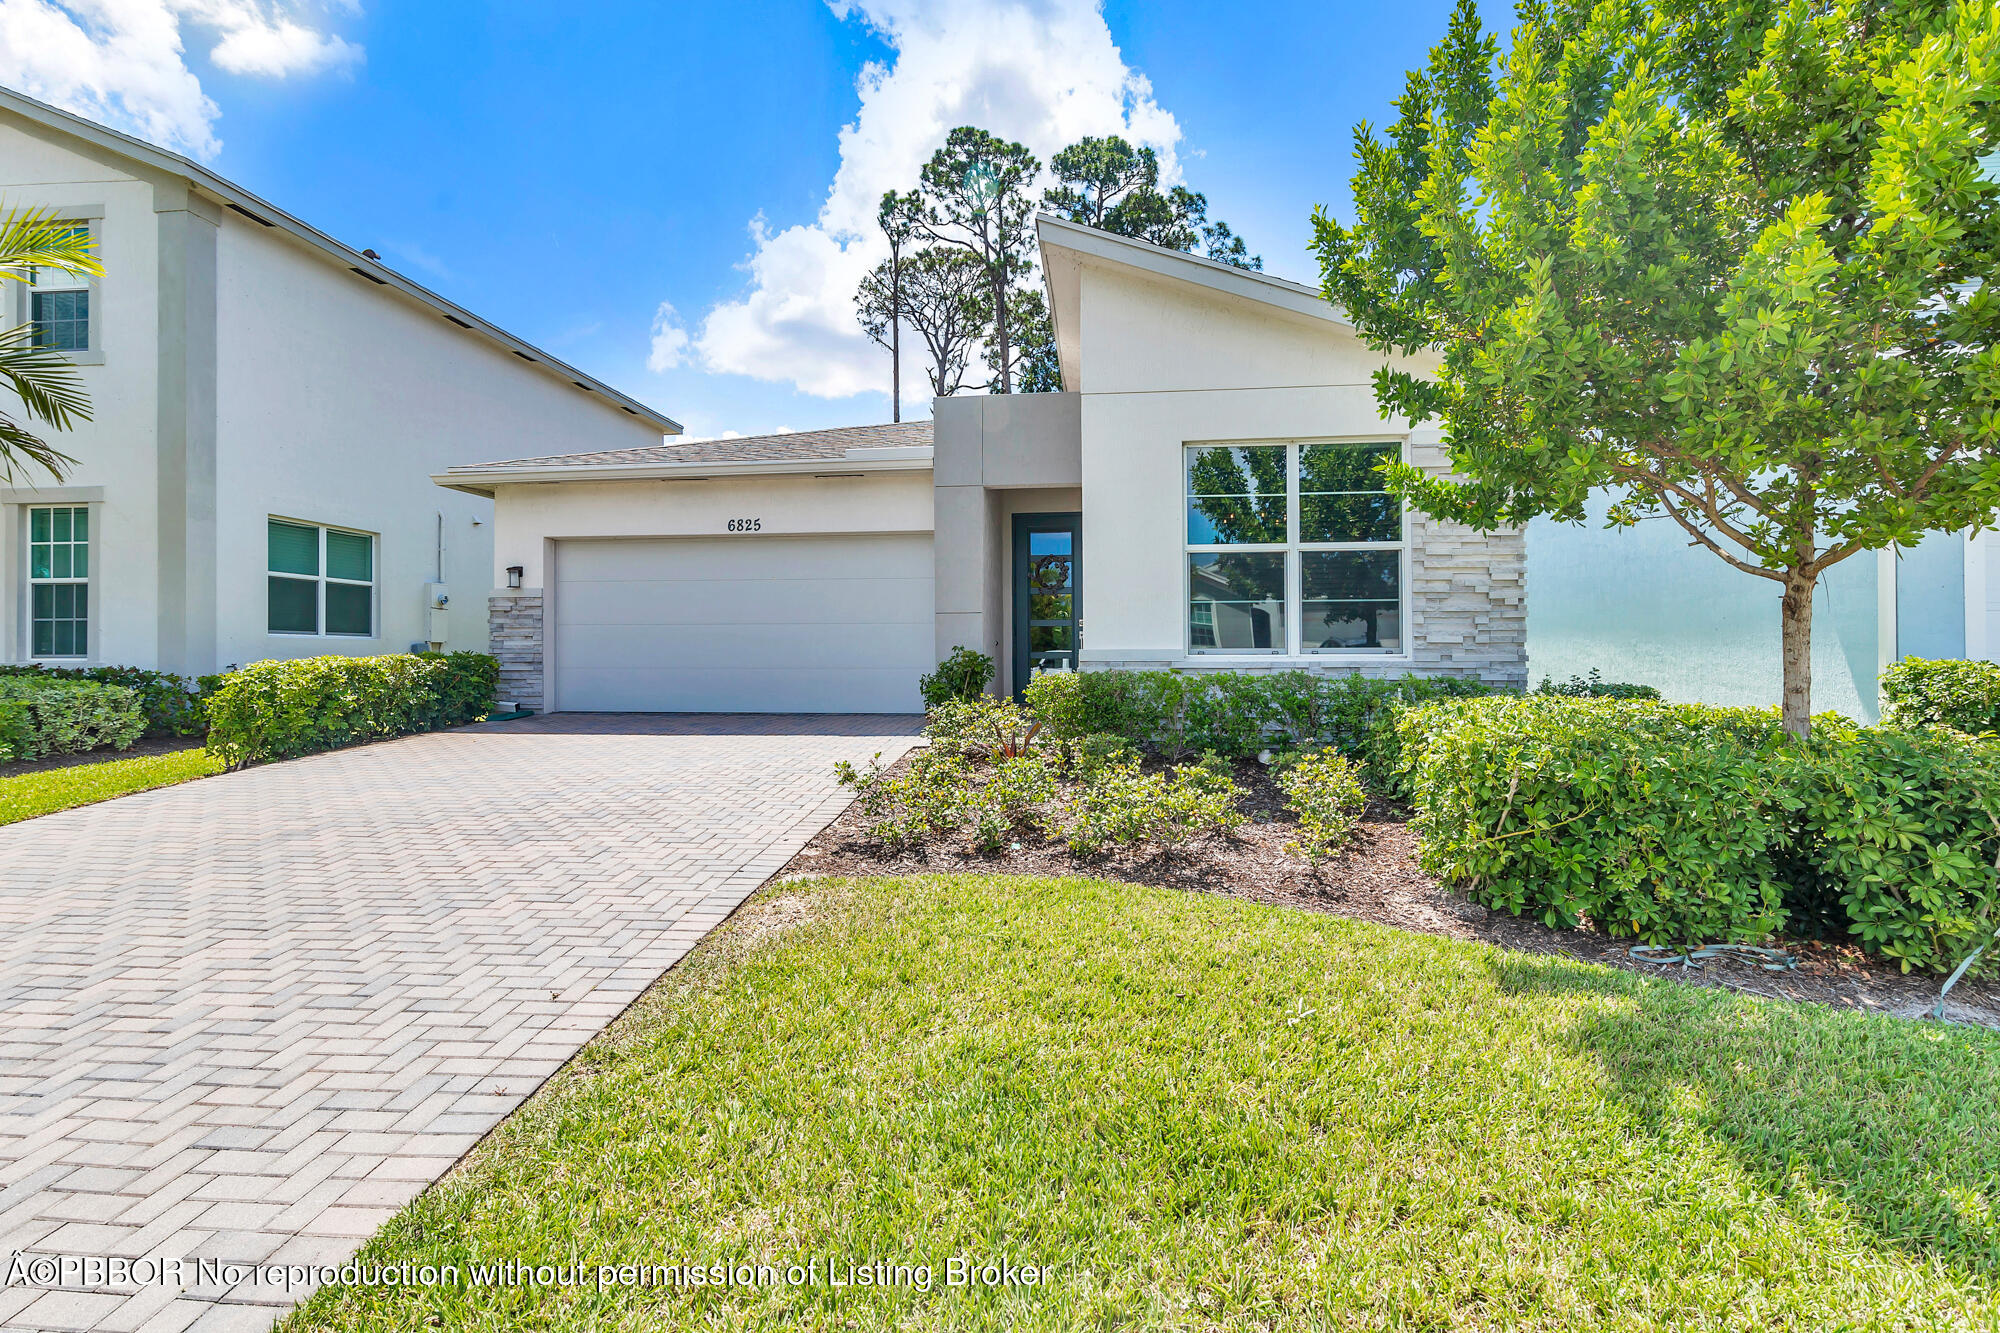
743 624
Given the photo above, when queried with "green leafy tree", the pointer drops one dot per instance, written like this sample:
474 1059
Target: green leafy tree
44 383
940 293
1034 368
1108 184
975 193
1093 176
1729 263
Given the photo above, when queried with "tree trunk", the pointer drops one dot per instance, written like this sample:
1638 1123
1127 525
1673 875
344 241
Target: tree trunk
895 337
1795 633
1000 326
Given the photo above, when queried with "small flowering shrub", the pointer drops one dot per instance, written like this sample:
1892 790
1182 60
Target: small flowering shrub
1324 791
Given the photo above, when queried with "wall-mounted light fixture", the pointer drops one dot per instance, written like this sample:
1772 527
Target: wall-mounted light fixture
513 576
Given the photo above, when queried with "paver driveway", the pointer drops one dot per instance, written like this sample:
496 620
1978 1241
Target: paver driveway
246 1018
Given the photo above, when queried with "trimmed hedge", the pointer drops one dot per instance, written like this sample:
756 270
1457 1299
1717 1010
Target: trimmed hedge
1680 823
1652 820
280 709
1964 696
1240 714
1898 835
44 717
172 704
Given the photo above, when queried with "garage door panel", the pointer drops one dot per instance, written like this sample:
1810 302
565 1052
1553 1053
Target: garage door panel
743 624
750 559
744 602
791 647
732 690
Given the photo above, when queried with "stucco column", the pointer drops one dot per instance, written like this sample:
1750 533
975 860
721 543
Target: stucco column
186 432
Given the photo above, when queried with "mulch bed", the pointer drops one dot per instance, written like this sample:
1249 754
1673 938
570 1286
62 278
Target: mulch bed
1377 879
145 745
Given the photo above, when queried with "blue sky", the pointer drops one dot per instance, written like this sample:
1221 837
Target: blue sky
567 171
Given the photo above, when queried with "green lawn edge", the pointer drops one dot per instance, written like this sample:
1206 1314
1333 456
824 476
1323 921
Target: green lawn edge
1215 1114
33 794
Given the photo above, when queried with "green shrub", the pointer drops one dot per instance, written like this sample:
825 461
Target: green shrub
1964 696
1899 833
1123 805
1680 824
43 716
172 704
1239 714
931 794
1017 794
1594 686
279 709
1086 756
1324 791
983 727
1659 821
965 674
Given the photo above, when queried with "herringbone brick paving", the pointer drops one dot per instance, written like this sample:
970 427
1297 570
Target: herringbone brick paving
249 1017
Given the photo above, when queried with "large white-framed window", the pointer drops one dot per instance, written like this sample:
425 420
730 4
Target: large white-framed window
320 580
1294 548
59 305
59 581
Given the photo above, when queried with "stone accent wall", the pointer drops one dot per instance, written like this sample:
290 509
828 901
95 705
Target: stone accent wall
1468 607
1468 594
514 635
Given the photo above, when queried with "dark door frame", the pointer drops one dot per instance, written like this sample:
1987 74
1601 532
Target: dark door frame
1025 524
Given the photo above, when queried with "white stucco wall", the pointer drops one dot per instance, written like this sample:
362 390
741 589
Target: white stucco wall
114 450
531 516
1982 590
1170 364
300 390
336 401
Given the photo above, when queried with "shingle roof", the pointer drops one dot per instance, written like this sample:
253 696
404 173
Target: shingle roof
804 444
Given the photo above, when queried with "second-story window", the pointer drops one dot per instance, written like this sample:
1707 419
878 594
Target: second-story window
59 306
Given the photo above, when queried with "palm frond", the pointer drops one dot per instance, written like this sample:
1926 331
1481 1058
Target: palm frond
32 238
18 446
43 378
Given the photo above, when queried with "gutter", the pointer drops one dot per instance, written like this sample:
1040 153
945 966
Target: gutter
855 462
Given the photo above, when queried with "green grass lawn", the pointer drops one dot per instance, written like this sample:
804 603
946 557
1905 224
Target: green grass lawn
1203 1113
54 789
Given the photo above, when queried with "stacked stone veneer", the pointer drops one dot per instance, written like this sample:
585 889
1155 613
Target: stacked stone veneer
514 636
1468 605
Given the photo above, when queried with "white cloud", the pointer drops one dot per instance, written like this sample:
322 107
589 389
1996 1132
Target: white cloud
1042 72
123 62
274 49
670 340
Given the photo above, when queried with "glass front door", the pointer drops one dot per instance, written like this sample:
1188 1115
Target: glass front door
1047 610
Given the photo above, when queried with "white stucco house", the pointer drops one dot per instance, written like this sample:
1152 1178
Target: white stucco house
1201 496
268 408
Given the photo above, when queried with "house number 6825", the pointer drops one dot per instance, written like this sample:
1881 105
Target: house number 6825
746 525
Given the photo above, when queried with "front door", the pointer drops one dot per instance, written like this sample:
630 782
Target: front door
1048 614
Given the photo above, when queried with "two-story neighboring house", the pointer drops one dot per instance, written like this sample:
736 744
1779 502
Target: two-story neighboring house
268 408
